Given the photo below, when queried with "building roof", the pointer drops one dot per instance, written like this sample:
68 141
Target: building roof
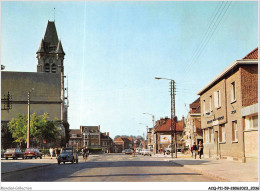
167 126
249 59
75 131
252 55
51 36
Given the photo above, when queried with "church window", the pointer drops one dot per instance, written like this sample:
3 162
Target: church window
47 67
53 69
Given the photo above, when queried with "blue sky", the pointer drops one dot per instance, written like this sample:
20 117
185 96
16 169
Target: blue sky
115 49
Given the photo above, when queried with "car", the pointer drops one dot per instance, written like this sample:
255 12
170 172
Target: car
13 153
147 152
32 153
128 151
68 155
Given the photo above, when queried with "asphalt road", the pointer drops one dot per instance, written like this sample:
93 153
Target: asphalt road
109 168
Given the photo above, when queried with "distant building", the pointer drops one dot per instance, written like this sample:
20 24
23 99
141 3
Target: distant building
106 142
229 111
92 136
125 142
76 139
192 131
163 133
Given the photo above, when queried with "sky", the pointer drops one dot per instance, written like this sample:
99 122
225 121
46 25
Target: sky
115 49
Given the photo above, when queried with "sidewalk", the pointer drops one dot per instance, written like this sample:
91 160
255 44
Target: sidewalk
223 169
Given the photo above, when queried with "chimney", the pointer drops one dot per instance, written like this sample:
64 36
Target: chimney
183 123
108 134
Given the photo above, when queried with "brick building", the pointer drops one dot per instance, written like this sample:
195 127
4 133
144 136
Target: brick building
76 139
125 142
192 131
92 136
229 115
106 142
162 132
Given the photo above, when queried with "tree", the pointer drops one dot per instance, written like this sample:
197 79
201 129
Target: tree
41 128
18 128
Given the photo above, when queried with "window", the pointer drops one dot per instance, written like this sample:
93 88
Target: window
53 69
234 131
217 99
204 107
222 135
233 92
47 67
210 103
251 122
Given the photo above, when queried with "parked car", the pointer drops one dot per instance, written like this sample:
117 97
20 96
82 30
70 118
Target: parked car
32 153
13 153
68 155
128 151
147 152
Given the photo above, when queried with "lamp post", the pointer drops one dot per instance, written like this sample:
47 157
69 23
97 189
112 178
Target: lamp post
146 132
28 127
152 136
173 117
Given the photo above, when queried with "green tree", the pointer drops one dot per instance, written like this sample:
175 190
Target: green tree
41 128
18 128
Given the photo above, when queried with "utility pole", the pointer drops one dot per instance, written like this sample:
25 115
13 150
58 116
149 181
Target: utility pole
28 128
173 117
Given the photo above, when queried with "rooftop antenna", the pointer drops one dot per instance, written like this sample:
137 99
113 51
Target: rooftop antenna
54 14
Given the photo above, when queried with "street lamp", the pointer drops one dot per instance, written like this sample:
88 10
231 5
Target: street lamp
28 127
173 118
146 131
152 137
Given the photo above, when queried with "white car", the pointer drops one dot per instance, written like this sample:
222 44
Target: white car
147 152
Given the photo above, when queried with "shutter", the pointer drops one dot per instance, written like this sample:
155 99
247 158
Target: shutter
219 94
232 92
216 99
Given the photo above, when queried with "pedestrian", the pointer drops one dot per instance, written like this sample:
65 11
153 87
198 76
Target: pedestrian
164 150
200 149
191 151
85 154
56 152
51 152
194 148
134 152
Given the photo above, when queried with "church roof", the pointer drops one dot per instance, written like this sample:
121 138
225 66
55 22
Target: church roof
60 49
41 48
51 36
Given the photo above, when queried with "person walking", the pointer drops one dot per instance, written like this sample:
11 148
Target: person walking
200 149
56 152
194 148
51 152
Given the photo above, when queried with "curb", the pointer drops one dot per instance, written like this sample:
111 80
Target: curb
2 173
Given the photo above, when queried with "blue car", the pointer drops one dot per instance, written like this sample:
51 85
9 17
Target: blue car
68 155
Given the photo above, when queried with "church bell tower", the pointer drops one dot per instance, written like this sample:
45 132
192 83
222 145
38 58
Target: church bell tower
50 54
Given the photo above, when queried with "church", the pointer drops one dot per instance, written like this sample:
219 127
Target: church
44 88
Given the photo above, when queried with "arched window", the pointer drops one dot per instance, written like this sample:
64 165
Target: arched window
47 67
53 68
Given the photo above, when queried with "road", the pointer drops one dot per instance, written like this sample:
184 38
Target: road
108 168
